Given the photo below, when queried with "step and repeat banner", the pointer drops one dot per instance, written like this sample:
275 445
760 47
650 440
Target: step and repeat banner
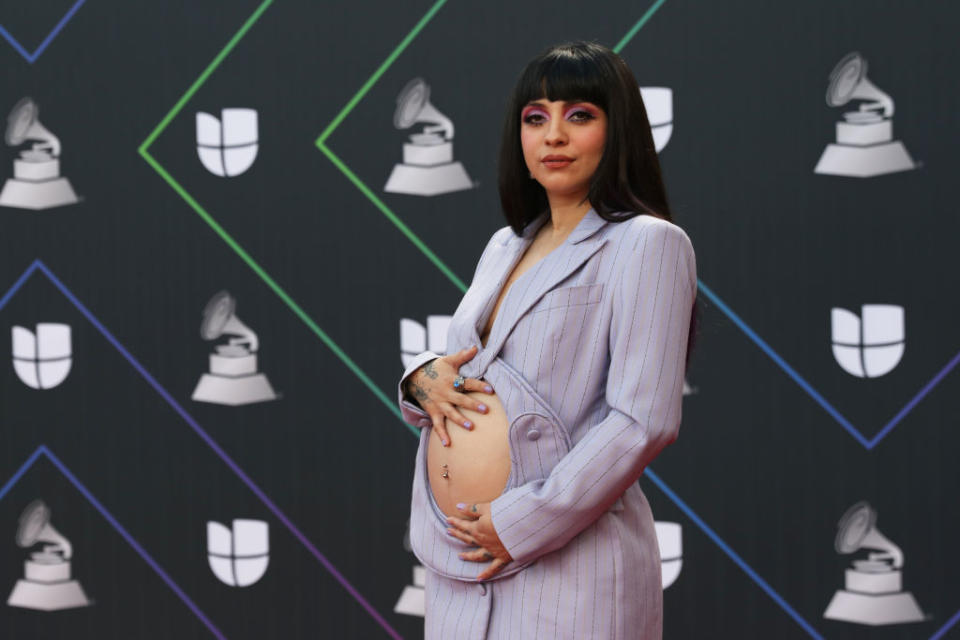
226 226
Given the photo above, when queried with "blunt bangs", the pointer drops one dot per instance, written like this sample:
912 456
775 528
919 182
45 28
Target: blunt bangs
563 75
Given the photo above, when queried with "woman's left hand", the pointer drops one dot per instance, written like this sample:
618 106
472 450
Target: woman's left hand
476 528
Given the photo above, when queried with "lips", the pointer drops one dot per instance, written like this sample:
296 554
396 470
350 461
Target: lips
556 162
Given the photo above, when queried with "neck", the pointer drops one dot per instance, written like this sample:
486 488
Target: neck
566 212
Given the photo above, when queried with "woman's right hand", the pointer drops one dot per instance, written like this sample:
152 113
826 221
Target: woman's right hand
432 387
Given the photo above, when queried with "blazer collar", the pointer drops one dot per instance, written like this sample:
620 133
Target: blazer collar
535 282
588 225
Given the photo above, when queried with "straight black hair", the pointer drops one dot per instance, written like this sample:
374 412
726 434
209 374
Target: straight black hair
628 181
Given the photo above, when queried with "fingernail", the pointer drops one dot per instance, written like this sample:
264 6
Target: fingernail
482 408
445 443
488 389
461 506
468 424
449 532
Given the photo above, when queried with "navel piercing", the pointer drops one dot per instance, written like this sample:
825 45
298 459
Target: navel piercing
445 474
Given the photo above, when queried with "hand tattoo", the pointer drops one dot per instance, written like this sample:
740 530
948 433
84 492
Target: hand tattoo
487 555
419 394
474 508
430 371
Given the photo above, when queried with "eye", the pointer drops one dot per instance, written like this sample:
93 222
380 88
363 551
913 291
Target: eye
580 115
534 118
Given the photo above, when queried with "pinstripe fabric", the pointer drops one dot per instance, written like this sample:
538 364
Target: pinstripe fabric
587 354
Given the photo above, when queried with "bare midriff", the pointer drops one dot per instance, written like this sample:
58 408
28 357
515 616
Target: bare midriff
476 465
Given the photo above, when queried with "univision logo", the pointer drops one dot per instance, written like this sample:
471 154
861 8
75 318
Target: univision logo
870 347
415 338
227 147
42 360
238 557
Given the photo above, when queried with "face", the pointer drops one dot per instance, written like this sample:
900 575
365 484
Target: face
562 144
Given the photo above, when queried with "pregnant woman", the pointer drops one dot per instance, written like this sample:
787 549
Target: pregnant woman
564 379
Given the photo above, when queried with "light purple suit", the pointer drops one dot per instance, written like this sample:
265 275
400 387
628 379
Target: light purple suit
587 354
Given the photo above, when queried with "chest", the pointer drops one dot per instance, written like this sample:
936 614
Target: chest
537 251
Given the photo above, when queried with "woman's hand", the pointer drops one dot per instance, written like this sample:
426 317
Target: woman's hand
476 528
432 387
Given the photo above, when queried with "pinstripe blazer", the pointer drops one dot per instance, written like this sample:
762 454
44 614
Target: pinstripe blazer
587 354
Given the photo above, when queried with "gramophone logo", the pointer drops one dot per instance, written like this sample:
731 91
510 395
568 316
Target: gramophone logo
428 167
47 584
873 590
865 146
42 360
415 339
658 101
233 378
227 147
670 542
36 181
870 347
240 556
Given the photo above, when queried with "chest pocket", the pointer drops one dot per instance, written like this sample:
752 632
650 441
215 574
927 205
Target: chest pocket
578 295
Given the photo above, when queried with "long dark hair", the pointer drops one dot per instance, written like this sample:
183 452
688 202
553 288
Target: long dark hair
628 180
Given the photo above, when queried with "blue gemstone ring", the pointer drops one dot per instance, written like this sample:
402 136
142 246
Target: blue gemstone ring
459 384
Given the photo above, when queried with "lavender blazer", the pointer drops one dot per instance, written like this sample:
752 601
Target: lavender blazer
587 354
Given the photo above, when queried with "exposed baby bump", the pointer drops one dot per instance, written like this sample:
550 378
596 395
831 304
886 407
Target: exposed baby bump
476 465
519 440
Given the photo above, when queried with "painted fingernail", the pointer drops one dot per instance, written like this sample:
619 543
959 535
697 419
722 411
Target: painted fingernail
449 532
488 389
461 506
445 442
482 407
468 424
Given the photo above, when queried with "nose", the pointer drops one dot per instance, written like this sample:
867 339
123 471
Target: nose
556 132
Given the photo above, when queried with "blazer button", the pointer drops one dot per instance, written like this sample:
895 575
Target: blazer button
483 589
533 434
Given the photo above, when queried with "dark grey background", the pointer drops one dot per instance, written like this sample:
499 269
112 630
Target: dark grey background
758 460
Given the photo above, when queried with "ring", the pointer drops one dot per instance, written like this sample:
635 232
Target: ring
459 383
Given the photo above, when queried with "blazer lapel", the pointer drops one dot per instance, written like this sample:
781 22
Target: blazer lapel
500 263
541 278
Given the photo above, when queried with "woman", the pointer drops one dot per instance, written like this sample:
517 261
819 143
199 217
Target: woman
565 376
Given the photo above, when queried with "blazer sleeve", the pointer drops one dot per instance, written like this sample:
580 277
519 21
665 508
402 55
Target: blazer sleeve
652 303
411 412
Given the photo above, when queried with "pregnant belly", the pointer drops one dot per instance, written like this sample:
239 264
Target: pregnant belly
476 465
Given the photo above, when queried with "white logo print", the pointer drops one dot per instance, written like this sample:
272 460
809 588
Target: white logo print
46 585
865 146
428 166
872 347
240 557
233 378
227 147
36 181
414 338
42 360
670 542
658 102
872 593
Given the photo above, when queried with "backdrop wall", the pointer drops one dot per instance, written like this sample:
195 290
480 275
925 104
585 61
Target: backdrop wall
802 401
